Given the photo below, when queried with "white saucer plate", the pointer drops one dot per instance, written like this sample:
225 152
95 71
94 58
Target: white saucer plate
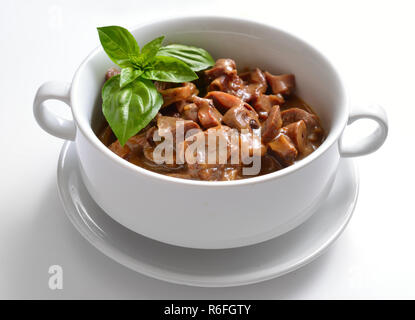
207 268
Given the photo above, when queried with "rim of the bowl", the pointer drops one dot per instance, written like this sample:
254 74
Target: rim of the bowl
332 136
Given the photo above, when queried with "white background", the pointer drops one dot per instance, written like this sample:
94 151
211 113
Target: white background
372 42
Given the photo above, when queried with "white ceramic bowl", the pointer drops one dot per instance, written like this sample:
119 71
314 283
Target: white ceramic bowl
202 214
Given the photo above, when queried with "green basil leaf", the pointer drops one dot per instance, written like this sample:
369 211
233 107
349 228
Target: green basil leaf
119 44
128 75
169 69
129 109
150 50
196 58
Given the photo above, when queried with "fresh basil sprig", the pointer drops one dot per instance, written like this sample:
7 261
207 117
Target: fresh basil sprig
131 108
130 100
169 69
119 44
128 75
196 58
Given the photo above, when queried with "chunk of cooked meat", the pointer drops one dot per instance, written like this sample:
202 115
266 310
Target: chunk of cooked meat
206 172
230 174
225 146
257 84
297 132
258 77
271 126
263 104
283 83
219 84
190 111
168 125
283 149
184 92
223 101
134 144
251 91
107 136
200 102
209 116
296 114
232 85
155 159
111 72
242 116
121 151
222 67
181 104
224 77
251 145
138 142
270 164
227 135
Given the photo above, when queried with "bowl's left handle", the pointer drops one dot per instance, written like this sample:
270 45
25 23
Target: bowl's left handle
47 120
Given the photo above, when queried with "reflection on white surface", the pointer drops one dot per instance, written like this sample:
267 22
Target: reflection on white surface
82 212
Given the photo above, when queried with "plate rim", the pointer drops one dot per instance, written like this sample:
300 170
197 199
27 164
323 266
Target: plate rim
190 280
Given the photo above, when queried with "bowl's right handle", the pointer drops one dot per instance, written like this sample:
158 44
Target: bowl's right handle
373 141
47 120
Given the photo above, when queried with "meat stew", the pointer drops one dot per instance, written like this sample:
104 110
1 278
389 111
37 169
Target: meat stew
253 110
